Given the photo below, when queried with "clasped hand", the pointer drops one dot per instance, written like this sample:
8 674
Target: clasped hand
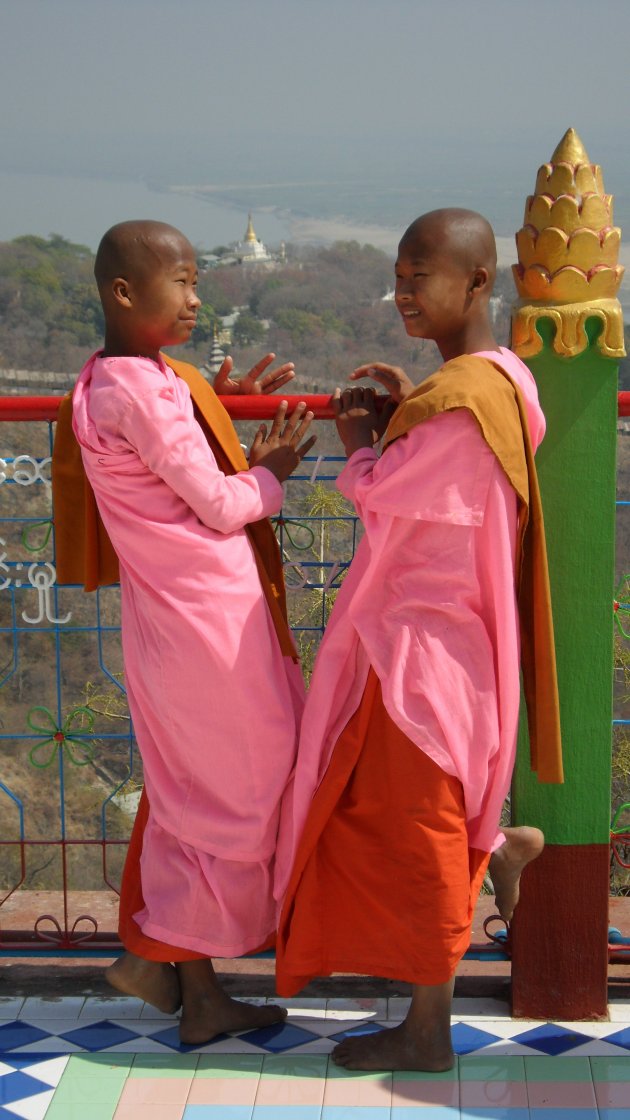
359 422
280 450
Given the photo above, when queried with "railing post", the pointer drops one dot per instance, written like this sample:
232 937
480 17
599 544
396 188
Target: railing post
568 327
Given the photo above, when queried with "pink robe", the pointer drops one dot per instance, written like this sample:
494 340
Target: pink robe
214 703
429 601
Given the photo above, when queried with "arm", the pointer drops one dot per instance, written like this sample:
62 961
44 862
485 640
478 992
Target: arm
165 435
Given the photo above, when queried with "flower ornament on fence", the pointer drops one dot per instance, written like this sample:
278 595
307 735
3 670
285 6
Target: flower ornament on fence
44 753
619 608
620 835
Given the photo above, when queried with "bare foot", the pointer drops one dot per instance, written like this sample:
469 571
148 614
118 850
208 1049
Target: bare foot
153 981
204 1018
522 845
395 1048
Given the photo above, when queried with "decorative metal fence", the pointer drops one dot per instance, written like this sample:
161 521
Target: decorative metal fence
70 773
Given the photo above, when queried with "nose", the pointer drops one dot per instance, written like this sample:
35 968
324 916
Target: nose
194 300
402 289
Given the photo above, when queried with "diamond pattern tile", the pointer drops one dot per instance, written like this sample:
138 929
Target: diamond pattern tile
75 1066
551 1039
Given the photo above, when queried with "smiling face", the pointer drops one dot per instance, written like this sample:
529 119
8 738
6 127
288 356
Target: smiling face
163 294
444 275
147 278
432 288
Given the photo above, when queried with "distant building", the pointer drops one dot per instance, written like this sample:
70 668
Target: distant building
250 250
214 361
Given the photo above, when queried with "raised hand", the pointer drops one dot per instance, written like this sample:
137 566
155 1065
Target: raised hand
224 385
281 451
392 378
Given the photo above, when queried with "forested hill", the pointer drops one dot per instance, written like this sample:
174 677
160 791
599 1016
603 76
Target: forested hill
322 308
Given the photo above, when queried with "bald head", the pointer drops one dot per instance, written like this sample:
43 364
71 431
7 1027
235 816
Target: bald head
132 250
463 235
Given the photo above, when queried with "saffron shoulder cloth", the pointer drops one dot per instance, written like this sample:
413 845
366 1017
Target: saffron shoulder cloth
497 404
84 552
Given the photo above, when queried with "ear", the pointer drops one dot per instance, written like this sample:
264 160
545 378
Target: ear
121 291
479 280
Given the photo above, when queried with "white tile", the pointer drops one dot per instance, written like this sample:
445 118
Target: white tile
316 1007
139 1046
595 1030
36 1008
504 1028
618 1009
316 1046
49 1071
33 1108
321 1027
149 1012
232 1045
10 1006
51 1045
110 1007
506 1048
397 1007
374 1008
599 1048
479 1009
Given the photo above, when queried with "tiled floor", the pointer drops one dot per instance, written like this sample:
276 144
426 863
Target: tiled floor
118 1059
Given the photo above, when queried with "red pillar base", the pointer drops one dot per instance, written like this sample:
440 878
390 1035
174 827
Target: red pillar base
560 935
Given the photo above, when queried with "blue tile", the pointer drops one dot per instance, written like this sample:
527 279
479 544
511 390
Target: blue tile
619 1038
287 1112
430 1112
24 1061
279 1037
552 1039
99 1036
170 1037
16 1086
612 1114
350 1112
369 1027
217 1112
511 1114
466 1039
19 1033
572 1113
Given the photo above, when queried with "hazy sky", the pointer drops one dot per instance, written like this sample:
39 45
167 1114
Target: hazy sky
312 90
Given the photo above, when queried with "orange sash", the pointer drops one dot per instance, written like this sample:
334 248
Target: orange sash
486 390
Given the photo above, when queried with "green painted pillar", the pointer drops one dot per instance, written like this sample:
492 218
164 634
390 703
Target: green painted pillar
568 327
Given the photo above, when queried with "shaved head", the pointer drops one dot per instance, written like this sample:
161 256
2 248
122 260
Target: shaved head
133 249
463 235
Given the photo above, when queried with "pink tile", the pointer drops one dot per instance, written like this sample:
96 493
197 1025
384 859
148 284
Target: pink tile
612 1094
561 1094
358 1091
290 1091
156 1090
223 1090
148 1112
418 1093
493 1094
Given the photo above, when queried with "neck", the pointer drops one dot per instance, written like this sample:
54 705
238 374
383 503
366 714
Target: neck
470 340
119 345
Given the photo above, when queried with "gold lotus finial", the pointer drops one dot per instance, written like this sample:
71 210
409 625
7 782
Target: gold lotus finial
568 252
570 149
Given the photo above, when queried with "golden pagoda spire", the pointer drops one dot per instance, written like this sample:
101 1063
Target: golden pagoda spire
250 234
567 256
